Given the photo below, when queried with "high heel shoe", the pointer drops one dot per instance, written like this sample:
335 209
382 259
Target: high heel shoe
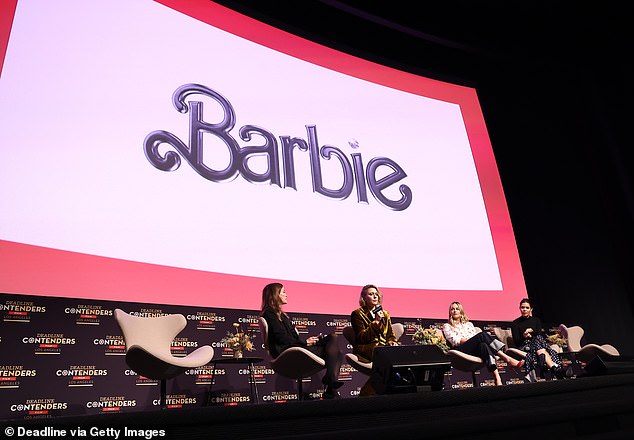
558 371
518 366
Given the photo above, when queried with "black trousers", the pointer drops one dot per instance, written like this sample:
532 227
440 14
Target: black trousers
328 349
484 346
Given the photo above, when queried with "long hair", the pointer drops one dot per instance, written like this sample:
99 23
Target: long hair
364 289
463 316
271 298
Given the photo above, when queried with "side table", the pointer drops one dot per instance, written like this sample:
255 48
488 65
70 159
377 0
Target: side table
250 361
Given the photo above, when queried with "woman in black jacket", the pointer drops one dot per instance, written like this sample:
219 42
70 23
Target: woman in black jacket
283 335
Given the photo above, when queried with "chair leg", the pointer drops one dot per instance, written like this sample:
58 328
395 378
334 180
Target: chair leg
300 394
163 402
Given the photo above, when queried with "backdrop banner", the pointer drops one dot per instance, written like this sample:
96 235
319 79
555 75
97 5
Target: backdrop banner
65 357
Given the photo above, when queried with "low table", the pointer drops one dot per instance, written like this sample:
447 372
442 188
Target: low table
250 361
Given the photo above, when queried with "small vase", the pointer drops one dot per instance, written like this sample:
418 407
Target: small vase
237 354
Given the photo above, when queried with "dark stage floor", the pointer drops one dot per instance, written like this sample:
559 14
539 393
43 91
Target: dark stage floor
600 407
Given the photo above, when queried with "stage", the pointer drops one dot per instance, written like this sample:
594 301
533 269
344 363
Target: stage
599 407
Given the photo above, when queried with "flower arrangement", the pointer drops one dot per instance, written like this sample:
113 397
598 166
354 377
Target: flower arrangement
430 336
239 341
557 338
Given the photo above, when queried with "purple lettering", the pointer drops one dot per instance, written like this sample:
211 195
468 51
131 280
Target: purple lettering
288 144
352 173
315 166
357 163
197 127
376 186
269 149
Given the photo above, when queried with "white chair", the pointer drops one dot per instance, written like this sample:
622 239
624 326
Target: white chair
466 362
366 367
589 351
294 362
506 336
148 341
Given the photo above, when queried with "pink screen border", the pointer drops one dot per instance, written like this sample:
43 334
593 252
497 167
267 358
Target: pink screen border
34 270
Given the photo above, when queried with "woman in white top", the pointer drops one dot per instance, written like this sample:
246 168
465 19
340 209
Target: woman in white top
462 335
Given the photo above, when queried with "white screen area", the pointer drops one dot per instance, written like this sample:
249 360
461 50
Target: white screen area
84 84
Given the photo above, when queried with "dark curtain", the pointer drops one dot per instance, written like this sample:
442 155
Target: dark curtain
560 132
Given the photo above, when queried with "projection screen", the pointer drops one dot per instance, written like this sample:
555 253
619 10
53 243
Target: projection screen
175 152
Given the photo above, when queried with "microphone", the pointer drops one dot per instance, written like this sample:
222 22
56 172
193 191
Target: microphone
376 310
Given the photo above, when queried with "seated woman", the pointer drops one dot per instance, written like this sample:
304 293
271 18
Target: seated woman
527 335
371 324
372 327
462 335
283 335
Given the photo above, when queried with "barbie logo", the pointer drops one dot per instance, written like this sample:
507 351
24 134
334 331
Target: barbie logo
355 174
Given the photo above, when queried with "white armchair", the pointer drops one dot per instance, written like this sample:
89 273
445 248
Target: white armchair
148 342
589 351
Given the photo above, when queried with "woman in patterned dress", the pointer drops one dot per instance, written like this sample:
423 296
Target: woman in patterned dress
528 335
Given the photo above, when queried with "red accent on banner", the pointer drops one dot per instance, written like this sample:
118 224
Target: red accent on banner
6 22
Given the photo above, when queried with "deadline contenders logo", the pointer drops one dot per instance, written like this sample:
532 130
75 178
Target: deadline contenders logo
48 343
251 322
81 375
353 173
88 314
39 408
206 320
12 375
181 346
229 399
149 313
107 404
114 345
260 373
205 375
140 380
303 325
176 401
19 311
339 324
